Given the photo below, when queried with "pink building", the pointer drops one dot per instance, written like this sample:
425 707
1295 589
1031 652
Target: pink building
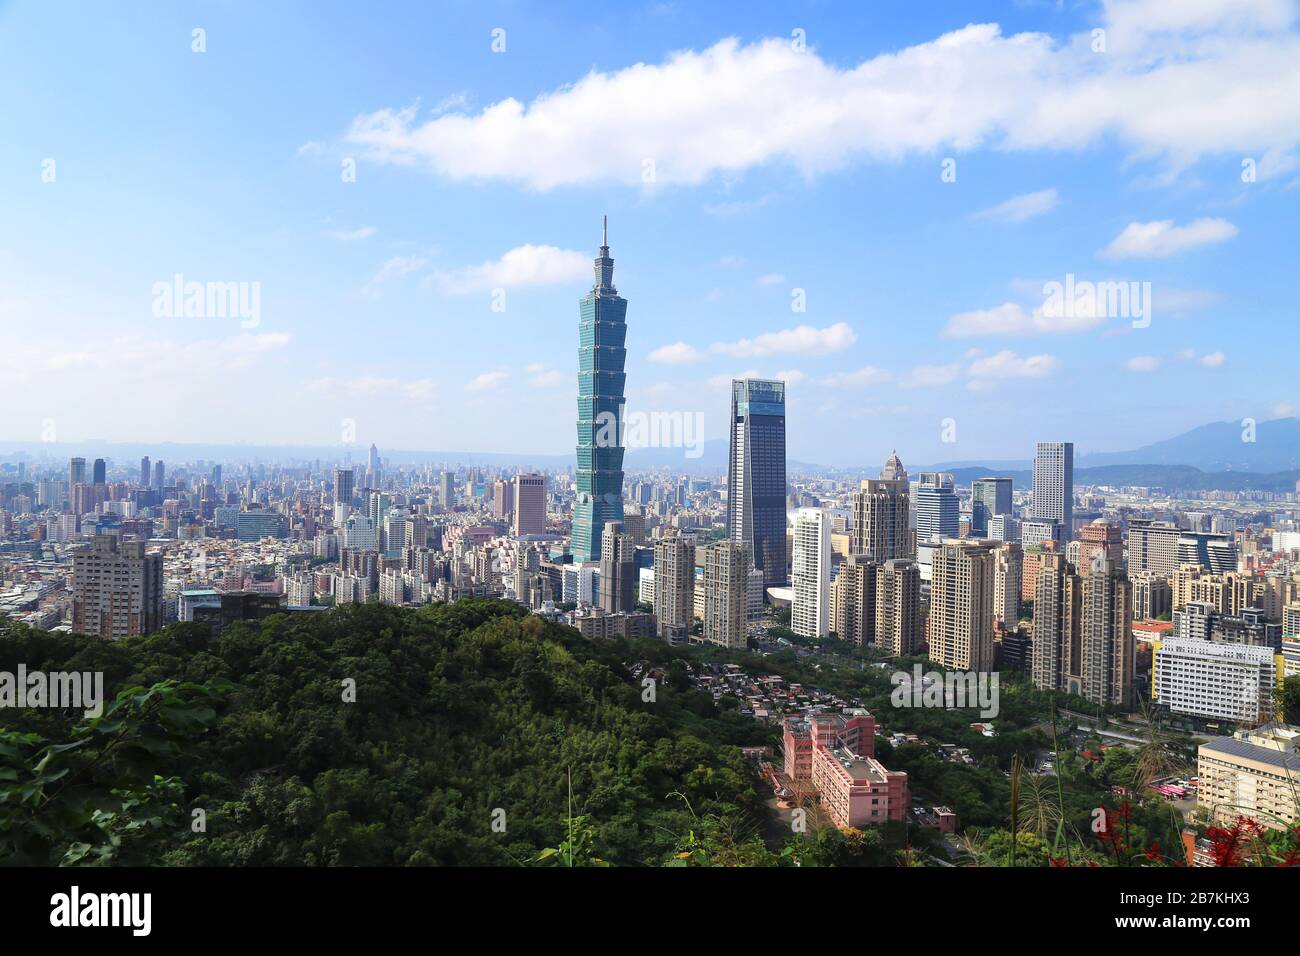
836 752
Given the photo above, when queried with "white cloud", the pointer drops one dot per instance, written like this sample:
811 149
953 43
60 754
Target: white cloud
1157 240
769 103
352 235
723 382
1213 360
1020 208
679 353
1143 363
864 377
771 278
550 378
801 340
393 268
414 389
923 376
790 376
486 381
736 207
525 265
986 373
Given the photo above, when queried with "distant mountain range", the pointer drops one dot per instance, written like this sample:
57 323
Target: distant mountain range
1217 455
1229 456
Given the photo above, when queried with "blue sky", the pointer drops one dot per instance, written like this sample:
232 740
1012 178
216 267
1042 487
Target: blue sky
741 153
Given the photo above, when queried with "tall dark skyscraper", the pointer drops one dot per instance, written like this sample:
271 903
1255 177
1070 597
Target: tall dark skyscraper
100 472
146 472
602 335
343 480
159 474
756 474
76 474
989 497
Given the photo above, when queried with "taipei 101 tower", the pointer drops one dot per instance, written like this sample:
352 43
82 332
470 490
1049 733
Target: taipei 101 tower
602 354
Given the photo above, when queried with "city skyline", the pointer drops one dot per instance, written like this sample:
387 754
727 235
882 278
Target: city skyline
933 305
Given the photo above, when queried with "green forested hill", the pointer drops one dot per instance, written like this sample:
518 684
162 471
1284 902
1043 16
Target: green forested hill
460 710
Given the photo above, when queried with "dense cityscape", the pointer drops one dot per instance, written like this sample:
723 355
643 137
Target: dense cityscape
921 492
1128 600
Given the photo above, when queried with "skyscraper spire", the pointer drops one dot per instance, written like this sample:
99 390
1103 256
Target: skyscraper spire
604 264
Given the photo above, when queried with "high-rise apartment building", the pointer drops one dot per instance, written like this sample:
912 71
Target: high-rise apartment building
503 498
602 355
674 577
810 575
756 515
853 601
726 585
146 472
1056 629
880 520
1101 540
530 504
1106 636
1054 485
76 473
1008 569
617 569
160 474
961 605
989 497
117 588
899 626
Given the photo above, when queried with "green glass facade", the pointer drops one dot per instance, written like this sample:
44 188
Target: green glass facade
602 355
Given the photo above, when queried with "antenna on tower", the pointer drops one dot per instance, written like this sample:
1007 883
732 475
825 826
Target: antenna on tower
604 231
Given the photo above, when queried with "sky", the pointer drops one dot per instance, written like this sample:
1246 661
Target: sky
869 201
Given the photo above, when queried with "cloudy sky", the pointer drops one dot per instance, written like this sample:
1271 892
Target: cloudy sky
871 201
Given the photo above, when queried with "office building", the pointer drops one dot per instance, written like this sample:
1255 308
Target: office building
343 486
146 471
1054 485
530 504
1251 774
989 497
1152 546
617 569
602 354
1213 679
756 513
503 498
